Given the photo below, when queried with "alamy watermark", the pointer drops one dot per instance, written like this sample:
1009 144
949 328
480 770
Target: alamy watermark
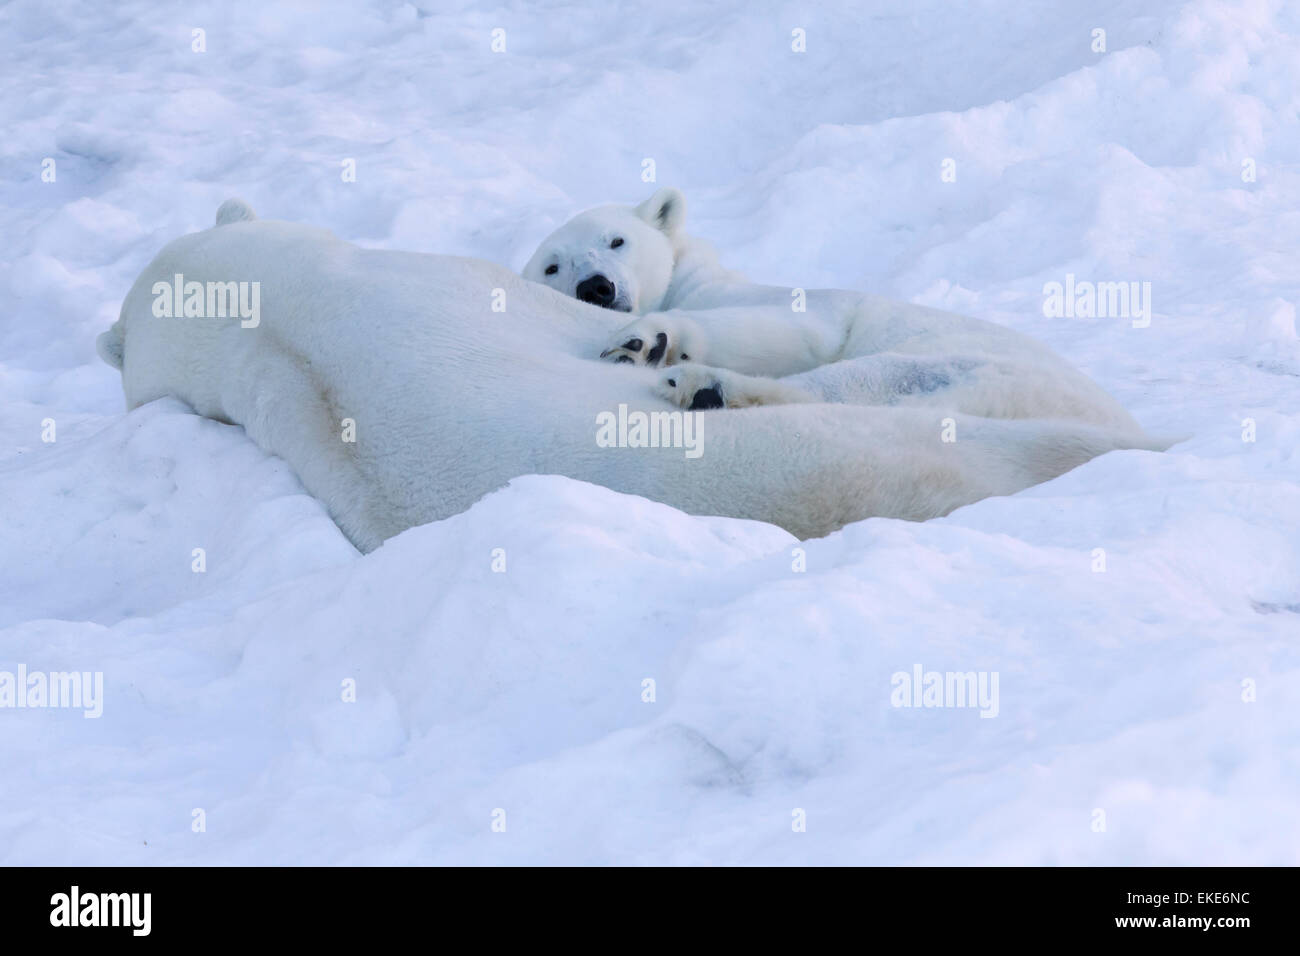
78 690
1098 300
922 688
638 429
208 300
76 908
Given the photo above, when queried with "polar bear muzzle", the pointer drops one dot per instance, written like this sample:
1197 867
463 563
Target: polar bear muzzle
599 290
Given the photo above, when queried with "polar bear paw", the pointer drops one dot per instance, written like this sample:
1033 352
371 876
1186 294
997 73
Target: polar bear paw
654 341
701 387
694 387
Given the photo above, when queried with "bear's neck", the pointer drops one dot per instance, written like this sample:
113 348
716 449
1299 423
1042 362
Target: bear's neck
698 276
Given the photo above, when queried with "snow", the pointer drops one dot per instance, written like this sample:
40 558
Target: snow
1161 691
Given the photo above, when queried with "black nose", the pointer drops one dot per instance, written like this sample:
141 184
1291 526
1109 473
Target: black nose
597 290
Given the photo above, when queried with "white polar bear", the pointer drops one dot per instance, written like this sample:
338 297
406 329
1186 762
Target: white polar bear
402 387
841 347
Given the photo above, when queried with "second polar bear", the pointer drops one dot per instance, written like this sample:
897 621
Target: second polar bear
841 346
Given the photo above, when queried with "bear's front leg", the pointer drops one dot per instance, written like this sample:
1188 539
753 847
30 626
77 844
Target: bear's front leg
700 387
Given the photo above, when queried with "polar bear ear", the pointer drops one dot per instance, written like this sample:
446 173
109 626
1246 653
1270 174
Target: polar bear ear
665 210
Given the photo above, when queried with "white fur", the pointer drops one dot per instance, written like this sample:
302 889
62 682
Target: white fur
844 347
451 399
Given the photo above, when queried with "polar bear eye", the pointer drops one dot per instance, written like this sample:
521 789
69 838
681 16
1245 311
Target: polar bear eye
616 243
552 269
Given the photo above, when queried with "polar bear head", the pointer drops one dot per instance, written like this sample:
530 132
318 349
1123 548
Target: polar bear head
617 257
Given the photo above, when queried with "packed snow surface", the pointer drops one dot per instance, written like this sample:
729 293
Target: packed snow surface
1141 614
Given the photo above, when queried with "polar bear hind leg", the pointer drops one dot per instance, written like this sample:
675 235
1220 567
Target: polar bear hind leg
297 419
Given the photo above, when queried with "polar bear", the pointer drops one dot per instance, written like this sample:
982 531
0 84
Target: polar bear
790 346
402 387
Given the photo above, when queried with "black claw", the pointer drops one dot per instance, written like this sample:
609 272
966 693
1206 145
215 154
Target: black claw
623 358
660 347
672 383
707 398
